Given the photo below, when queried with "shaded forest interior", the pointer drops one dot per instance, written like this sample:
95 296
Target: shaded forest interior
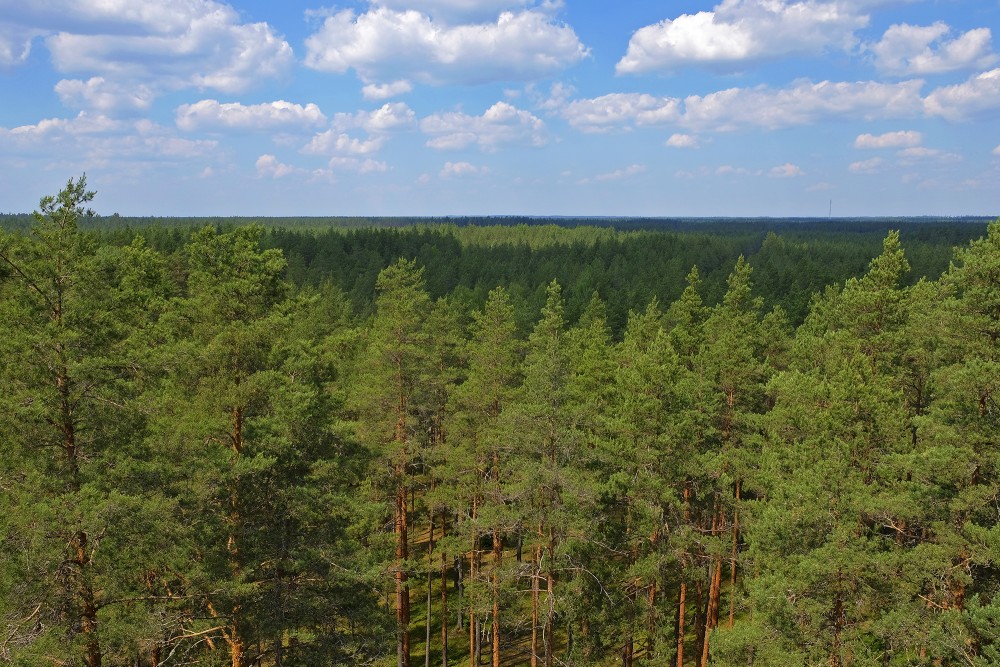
517 444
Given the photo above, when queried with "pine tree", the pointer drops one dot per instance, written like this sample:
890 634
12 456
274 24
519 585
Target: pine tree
386 394
78 531
484 455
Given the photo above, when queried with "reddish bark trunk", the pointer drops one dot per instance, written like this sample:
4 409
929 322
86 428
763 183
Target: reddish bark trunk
732 561
535 576
497 555
682 598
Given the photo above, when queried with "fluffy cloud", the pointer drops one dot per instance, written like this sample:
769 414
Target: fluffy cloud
334 143
376 91
742 30
101 95
500 124
787 170
919 154
456 10
366 166
212 115
15 45
909 49
866 166
384 45
150 47
460 169
979 94
268 166
682 141
802 103
82 124
616 110
387 118
378 124
901 139
100 141
996 151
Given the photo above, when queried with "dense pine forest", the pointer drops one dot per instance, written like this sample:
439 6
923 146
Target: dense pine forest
456 444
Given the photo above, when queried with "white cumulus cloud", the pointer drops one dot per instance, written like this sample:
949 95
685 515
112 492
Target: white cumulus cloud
787 170
387 118
979 94
804 102
501 124
737 31
617 110
682 141
377 91
384 45
918 154
460 169
901 139
366 166
102 95
15 44
866 166
268 166
333 143
89 141
152 46
909 49
456 10
213 115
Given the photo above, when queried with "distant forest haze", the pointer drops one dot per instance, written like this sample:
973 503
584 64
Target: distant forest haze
540 443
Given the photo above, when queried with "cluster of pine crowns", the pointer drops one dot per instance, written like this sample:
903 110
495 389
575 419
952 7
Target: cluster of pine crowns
204 464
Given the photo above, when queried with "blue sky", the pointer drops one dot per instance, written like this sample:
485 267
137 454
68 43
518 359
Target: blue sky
537 107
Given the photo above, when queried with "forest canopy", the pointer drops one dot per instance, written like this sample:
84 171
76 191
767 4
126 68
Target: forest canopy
513 444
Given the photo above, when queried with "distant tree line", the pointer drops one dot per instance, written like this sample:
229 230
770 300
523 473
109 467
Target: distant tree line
209 462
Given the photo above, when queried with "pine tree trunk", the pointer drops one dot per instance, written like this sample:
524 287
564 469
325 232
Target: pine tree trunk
497 555
732 560
682 598
651 622
473 572
550 612
88 609
237 644
699 620
402 537
712 610
444 602
402 587
535 576
237 650
430 594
